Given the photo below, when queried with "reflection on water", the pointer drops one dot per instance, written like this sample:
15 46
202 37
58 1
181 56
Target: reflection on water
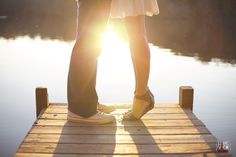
204 29
26 63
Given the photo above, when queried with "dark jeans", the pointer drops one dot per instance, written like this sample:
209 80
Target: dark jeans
81 88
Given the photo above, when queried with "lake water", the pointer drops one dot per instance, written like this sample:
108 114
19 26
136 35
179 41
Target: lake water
26 63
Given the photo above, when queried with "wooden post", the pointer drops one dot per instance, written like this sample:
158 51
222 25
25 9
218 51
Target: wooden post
186 97
41 99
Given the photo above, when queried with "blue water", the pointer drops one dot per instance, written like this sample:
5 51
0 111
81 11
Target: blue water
26 63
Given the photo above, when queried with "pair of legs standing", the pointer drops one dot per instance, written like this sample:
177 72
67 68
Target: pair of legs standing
92 21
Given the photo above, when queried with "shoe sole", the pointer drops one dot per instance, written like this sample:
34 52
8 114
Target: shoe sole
86 121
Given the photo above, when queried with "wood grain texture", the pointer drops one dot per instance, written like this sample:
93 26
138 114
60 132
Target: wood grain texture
167 116
158 110
166 130
113 138
167 123
41 95
156 155
107 130
117 149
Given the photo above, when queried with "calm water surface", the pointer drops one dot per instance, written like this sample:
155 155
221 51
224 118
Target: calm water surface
26 63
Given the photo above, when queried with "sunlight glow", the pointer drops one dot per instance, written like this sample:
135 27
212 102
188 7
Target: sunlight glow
114 49
114 68
111 40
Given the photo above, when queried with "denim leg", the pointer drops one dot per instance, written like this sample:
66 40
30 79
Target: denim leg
81 88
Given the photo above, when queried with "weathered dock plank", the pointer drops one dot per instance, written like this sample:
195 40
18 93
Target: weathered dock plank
105 139
146 137
118 149
170 130
121 130
129 155
150 116
159 110
158 123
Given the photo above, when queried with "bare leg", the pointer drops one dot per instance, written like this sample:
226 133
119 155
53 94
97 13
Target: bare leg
140 51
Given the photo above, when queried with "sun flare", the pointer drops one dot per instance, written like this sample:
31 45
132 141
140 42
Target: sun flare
115 59
112 39
114 47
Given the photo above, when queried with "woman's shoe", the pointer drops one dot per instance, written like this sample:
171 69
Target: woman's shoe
141 105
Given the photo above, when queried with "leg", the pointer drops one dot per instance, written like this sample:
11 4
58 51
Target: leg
81 92
140 51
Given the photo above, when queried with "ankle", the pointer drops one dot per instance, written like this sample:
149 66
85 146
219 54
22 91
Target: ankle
141 92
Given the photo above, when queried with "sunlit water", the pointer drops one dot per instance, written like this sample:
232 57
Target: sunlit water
26 63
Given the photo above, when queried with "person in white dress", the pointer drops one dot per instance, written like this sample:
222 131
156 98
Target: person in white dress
133 13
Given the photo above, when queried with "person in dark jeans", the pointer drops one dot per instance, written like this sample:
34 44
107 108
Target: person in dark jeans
82 97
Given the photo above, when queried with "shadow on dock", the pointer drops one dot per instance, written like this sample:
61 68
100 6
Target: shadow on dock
86 140
145 145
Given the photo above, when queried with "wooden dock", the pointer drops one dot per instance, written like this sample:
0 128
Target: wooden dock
167 130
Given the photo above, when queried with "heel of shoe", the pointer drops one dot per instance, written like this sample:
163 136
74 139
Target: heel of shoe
148 97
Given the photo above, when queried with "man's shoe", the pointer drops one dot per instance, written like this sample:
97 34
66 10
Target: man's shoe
106 108
98 118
